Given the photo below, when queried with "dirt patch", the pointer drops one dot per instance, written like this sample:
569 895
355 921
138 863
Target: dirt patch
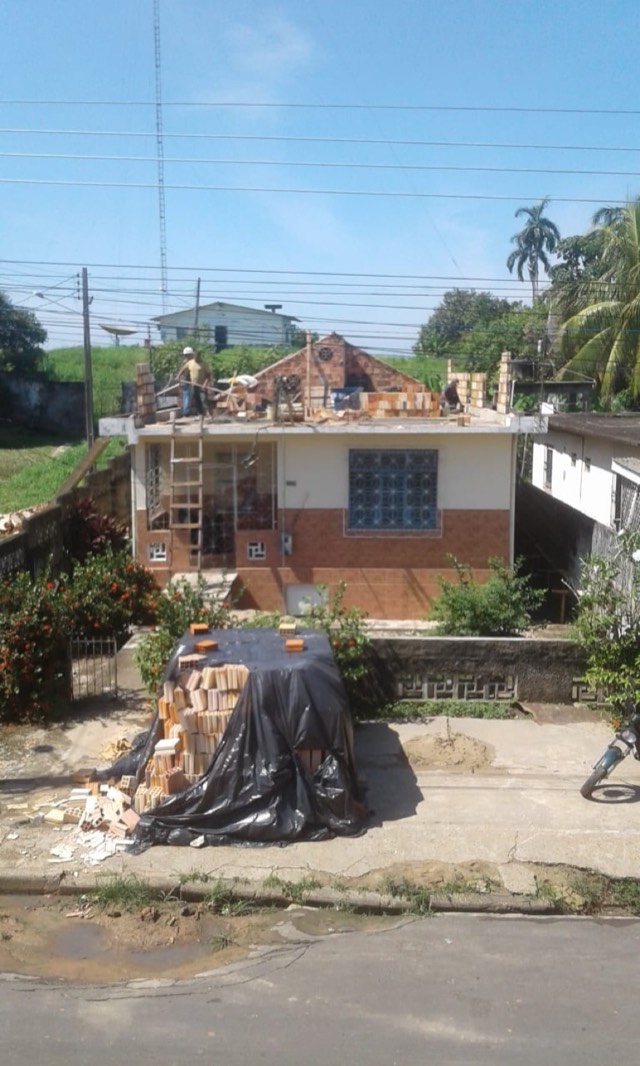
469 876
455 751
63 940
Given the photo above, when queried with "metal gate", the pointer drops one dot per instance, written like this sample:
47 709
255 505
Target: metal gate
94 670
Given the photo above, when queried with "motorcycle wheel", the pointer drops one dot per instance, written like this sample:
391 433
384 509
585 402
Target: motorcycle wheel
593 780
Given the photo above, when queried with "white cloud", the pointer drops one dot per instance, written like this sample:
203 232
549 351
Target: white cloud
262 57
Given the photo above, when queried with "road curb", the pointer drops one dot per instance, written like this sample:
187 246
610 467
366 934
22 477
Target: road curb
16 883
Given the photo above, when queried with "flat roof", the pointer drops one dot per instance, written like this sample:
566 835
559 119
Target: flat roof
624 428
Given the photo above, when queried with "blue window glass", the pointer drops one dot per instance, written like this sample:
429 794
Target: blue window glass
393 489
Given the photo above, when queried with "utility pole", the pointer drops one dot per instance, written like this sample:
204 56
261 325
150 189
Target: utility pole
197 314
88 376
160 155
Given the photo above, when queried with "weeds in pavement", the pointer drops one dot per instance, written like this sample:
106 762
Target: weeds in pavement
122 893
592 893
417 896
293 890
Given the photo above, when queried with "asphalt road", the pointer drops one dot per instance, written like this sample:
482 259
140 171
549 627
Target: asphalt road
452 989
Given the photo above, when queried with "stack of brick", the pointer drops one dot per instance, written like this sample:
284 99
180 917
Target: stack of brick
195 711
145 392
503 398
412 403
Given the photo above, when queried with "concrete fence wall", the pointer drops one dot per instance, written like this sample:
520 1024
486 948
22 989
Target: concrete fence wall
41 541
53 406
472 668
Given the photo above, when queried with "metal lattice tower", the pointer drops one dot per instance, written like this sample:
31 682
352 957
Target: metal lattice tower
160 156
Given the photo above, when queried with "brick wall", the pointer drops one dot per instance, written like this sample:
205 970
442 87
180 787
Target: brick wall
388 576
347 365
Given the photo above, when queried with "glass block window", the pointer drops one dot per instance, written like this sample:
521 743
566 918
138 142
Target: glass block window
393 489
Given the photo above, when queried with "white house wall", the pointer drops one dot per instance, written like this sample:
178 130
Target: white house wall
474 470
586 484
242 328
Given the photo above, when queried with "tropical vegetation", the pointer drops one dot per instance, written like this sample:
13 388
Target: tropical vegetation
533 243
600 307
21 337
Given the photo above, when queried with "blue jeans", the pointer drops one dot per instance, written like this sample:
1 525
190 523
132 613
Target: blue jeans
192 397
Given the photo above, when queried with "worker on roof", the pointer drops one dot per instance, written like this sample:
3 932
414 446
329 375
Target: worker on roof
195 375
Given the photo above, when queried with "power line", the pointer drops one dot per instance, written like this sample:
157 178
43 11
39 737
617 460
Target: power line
312 192
321 140
193 160
198 104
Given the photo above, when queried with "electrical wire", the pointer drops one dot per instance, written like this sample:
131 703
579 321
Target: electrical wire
312 192
193 161
228 104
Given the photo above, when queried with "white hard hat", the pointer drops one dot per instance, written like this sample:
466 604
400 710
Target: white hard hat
188 351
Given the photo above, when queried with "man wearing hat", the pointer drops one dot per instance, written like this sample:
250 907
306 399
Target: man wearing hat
195 376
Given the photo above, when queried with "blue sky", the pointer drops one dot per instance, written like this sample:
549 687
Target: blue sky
272 224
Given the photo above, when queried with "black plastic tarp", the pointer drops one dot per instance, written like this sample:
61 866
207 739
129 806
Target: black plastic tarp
258 788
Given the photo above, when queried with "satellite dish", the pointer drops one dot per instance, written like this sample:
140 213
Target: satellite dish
118 331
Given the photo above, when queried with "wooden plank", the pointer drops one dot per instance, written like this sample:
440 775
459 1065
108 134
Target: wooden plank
84 466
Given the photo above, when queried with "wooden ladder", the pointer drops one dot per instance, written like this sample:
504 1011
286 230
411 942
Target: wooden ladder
186 489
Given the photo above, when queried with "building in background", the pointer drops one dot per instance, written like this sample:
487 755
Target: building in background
227 325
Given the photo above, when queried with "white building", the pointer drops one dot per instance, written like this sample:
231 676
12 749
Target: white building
591 462
227 325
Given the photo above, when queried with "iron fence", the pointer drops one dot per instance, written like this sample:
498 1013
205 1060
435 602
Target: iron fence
94 670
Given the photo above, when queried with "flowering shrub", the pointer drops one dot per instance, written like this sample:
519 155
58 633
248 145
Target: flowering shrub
175 608
34 666
108 594
89 531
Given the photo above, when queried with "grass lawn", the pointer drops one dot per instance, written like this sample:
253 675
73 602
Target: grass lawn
109 367
33 466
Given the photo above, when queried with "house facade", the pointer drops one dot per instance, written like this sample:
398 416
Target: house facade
379 495
227 325
589 464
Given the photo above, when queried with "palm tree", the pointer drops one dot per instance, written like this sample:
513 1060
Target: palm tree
538 236
601 318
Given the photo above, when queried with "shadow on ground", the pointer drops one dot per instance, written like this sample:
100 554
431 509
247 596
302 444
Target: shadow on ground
391 786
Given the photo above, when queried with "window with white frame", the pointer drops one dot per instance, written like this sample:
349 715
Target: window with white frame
256 550
157 552
393 489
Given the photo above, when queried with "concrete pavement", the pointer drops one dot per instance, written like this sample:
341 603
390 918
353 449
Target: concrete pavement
450 797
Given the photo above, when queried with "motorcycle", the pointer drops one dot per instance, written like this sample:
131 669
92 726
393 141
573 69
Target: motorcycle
625 741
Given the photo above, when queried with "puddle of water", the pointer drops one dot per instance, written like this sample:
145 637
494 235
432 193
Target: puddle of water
84 940
37 937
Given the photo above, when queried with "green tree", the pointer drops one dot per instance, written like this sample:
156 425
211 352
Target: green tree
517 331
459 312
578 259
600 314
538 236
21 337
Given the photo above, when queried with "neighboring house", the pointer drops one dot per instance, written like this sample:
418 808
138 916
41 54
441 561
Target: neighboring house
589 463
227 325
379 496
